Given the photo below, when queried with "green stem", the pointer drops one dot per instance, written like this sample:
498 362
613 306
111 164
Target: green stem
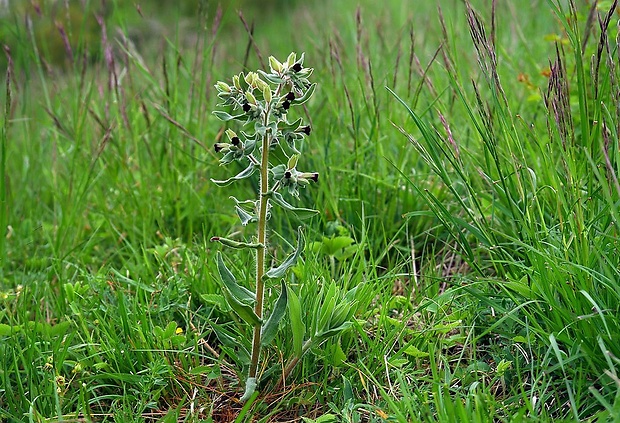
260 252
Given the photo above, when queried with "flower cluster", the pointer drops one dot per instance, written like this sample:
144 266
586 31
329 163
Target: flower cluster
264 99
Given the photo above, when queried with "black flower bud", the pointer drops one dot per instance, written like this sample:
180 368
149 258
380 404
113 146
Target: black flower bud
306 129
297 67
286 105
246 107
287 174
235 141
290 96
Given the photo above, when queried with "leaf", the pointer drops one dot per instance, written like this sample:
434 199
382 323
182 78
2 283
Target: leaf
301 213
60 328
240 293
333 331
244 311
270 328
331 246
297 325
306 96
244 216
246 173
271 77
414 352
223 116
6 330
250 388
278 272
217 300
235 244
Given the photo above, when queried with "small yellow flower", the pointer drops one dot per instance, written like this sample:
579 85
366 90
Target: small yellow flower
179 331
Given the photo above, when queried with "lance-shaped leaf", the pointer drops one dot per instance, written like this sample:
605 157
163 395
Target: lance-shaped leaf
274 79
246 173
223 116
246 312
297 325
244 216
306 96
278 272
300 212
270 328
240 293
239 298
235 244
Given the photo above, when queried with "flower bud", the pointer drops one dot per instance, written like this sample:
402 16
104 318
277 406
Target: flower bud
250 97
290 96
223 87
275 65
297 67
236 82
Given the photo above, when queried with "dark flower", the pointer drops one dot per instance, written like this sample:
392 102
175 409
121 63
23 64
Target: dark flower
290 96
296 67
287 174
306 129
235 141
286 104
246 107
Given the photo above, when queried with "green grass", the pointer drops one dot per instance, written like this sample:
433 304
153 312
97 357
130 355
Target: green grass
481 193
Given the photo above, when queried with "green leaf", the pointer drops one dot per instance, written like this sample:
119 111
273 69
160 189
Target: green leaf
60 328
414 352
217 300
238 292
333 331
270 328
297 325
274 79
170 329
235 244
331 246
301 213
326 310
223 116
244 216
244 311
6 330
250 388
246 173
278 272
306 96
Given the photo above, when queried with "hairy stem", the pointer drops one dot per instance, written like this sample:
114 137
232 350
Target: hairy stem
260 252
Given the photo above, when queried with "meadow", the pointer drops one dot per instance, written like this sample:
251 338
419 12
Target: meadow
468 199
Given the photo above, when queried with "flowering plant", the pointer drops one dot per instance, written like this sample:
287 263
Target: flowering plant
261 101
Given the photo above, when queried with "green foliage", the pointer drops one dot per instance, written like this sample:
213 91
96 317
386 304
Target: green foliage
483 244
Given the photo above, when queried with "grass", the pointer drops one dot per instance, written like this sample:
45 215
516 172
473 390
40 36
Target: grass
480 191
